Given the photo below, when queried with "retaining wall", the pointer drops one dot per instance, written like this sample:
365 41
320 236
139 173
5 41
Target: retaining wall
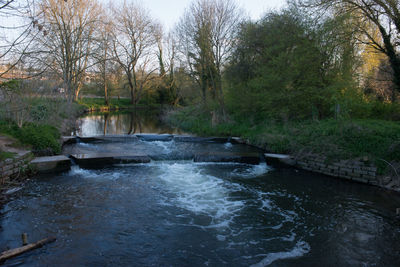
356 170
15 167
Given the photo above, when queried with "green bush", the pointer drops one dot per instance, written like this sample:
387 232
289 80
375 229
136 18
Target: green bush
39 112
39 137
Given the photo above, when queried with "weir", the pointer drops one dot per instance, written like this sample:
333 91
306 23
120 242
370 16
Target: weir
122 149
177 200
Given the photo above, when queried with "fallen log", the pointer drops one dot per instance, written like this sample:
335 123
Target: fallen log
18 251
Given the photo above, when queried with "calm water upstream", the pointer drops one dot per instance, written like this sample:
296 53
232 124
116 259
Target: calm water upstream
181 213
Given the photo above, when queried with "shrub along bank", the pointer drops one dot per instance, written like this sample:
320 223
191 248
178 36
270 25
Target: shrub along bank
42 139
37 122
376 140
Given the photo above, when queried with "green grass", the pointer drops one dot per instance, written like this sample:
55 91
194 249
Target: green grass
336 139
37 137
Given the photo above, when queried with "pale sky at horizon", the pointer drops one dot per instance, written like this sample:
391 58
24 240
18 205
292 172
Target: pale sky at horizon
168 12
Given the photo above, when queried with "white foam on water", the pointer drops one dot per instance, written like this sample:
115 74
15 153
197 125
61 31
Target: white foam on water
299 250
290 238
228 145
266 204
201 193
251 171
276 227
12 190
87 145
92 174
165 146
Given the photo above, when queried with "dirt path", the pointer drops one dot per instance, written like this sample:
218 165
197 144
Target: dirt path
6 146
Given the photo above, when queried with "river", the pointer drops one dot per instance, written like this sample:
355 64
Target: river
176 212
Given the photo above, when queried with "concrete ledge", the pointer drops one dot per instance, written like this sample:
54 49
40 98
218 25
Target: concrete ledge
172 156
66 140
51 164
155 137
237 140
191 139
150 137
196 139
118 138
249 158
282 158
99 160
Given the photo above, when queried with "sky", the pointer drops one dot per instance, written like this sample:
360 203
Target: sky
168 12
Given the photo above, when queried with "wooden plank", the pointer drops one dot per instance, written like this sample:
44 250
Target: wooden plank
18 251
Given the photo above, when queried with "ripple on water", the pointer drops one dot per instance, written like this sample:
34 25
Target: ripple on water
301 248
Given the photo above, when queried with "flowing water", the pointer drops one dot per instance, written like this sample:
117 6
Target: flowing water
175 212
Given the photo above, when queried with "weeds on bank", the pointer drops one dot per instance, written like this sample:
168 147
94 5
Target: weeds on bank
336 139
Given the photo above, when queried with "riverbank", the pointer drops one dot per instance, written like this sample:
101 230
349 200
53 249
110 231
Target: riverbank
47 120
34 131
348 143
92 104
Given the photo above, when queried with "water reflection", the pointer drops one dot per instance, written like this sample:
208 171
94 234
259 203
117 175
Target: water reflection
127 122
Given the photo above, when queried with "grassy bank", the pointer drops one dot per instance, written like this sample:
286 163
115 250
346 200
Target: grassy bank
98 104
38 123
337 139
42 139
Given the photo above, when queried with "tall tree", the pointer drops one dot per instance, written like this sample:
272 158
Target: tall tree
384 14
287 67
207 33
70 27
166 53
103 53
133 42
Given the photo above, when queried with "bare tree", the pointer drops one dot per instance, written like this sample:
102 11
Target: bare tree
166 53
384 15
68 44
133 43
207 33
16 27
103 52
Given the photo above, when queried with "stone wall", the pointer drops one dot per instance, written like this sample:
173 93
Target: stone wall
15 167
356 170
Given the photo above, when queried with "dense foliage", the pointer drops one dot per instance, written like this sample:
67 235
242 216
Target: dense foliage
298 84
39 137
378 140
287 67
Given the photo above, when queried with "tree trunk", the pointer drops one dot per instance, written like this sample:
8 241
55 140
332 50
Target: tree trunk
394 61
77 91
395 64
220 96
203 91
105 93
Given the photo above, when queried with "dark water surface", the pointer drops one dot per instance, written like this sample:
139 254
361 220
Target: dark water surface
181 213
123 122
